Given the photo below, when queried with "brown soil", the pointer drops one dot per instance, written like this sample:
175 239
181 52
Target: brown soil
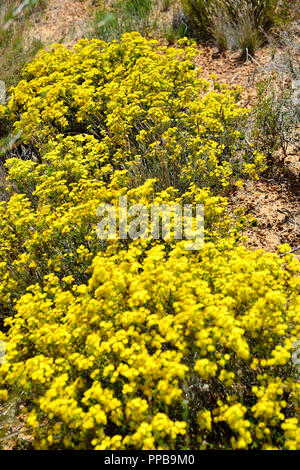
65 21
229 68
274 200
275 205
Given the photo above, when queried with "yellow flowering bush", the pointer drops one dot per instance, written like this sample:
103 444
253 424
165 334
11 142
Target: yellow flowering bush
161 351
139 344
49 223
147 105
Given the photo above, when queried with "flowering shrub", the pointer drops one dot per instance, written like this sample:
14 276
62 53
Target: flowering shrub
145 104
49 223
138 344
161 351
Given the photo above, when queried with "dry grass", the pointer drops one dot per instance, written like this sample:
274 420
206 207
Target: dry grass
238 24
13 52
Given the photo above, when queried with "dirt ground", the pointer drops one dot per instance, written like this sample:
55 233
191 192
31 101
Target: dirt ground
274 200
64 21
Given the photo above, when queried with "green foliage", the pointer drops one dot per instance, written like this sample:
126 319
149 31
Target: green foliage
13 53
166 5
123 16
15 56
178 28
277 116
198 12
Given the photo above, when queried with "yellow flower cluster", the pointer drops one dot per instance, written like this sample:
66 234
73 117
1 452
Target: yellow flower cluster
138 344
177 361
147 105
49 223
